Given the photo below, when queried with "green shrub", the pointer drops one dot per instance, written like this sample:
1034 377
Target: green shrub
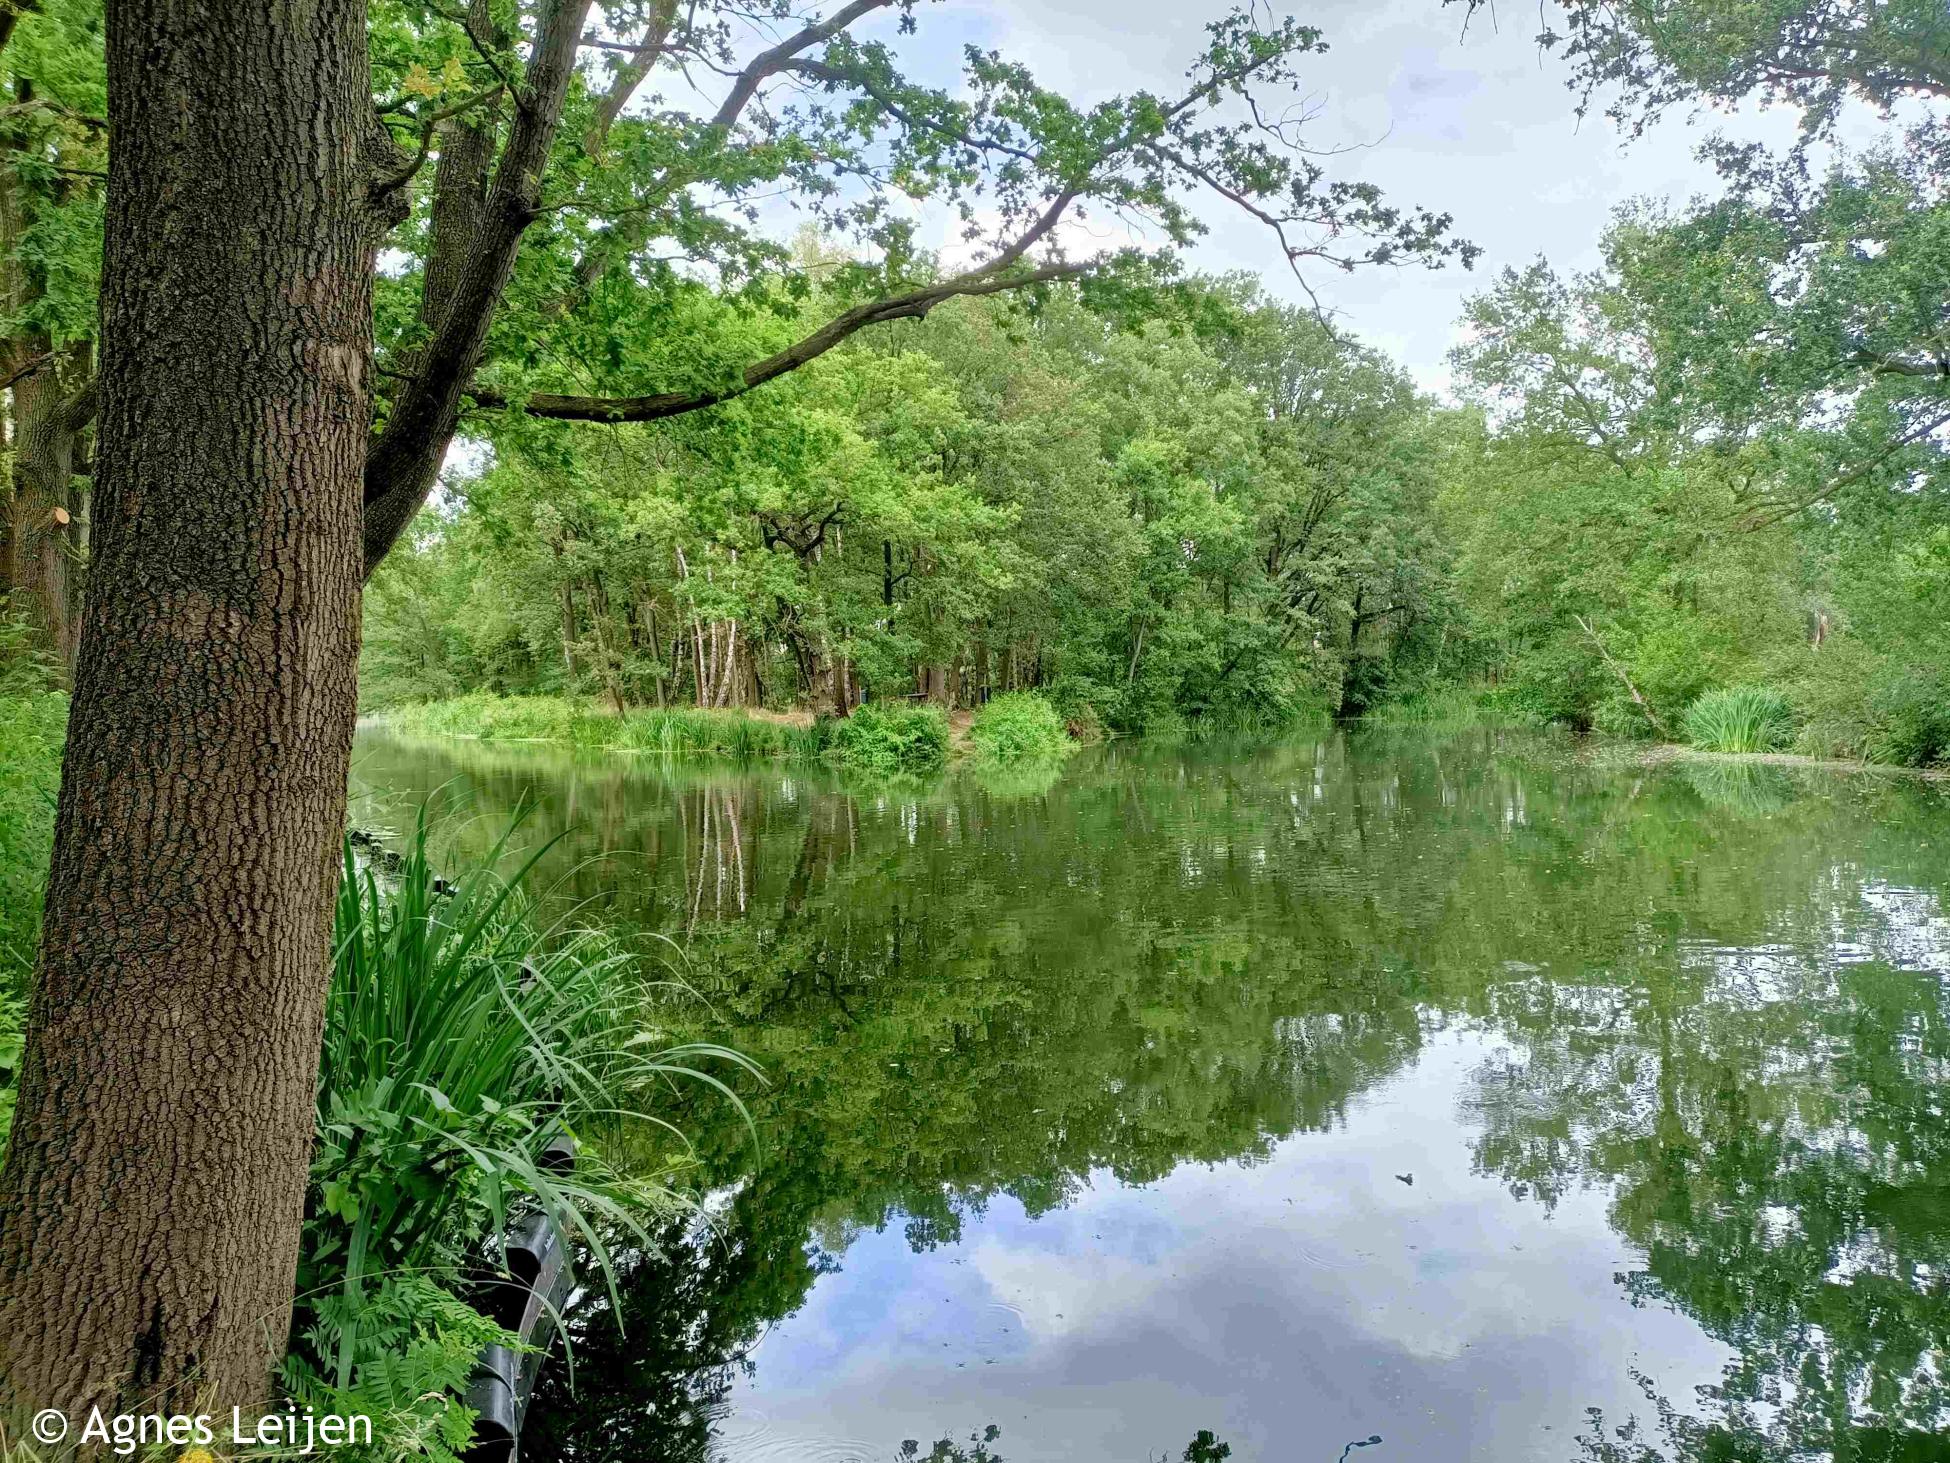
1909 718
1017 727
886 737
1742 719
1856 702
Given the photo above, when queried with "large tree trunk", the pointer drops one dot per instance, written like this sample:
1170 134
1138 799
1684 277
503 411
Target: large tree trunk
151 1199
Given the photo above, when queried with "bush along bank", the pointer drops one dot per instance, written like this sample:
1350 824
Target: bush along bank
1740 719
1019 727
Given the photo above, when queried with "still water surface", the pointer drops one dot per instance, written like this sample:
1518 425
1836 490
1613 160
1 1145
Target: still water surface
1440 1088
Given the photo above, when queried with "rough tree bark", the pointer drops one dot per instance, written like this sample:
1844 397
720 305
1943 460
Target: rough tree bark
153 1188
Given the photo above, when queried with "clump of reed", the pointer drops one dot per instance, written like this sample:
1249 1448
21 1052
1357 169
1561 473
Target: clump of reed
1740 719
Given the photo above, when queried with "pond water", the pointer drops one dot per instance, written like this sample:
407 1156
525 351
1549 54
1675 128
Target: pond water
1435 1088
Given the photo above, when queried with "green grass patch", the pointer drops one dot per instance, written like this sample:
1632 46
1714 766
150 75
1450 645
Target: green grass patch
680 731
1019 727
883 737
1740 719
32 729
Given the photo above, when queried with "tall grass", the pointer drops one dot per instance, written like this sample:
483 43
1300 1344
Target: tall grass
1742 719
1452 707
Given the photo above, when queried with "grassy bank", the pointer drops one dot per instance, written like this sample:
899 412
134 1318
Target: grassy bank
882 737
877 738
1836 713
680 732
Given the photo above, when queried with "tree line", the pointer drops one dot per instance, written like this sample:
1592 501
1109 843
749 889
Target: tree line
1223 513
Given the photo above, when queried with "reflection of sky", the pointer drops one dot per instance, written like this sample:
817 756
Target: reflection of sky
1289 1305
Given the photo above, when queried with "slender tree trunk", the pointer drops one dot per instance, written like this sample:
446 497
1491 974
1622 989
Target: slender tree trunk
1645 706
568 631
599 611
39 536
151 1199
41 522
730 666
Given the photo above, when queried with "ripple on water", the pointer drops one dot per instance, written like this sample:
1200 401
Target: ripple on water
1008 1311
765 1445
1315 1259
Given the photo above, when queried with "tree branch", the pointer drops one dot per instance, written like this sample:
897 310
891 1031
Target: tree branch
770 63
1936 370
630 74
427 125
1759 520
405 457
912 305
835 78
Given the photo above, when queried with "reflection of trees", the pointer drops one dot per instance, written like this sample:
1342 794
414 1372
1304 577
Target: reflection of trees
960 993
1770 1120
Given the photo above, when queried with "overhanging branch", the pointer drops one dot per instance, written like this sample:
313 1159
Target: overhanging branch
912 305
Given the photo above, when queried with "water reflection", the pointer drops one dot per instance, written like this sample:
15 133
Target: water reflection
1441 1089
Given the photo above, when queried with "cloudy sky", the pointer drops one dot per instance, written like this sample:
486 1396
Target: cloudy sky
1479 125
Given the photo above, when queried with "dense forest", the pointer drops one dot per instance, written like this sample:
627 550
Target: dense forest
405 359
